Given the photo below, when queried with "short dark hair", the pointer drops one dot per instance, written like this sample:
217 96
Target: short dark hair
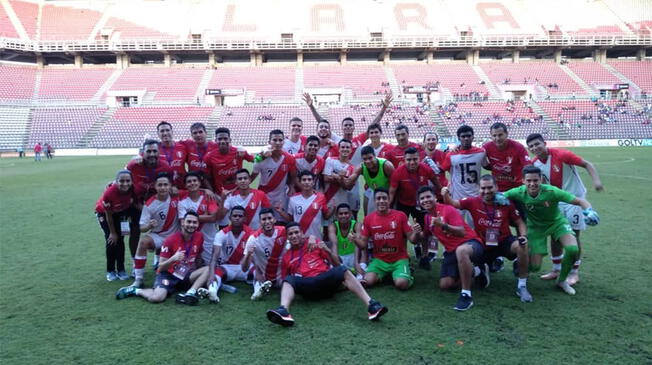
488 177
222 130
343 205
463 129
289 225
374 126
266 211
191 212
303 173
411 150
163 123
402 126
324 121
348 118
499 125
380 190
534 136
163 174
296 119
150 142
197 126
531 169
425 188
344 140
242 171
367 150
237 207
196 174
312 139
275 131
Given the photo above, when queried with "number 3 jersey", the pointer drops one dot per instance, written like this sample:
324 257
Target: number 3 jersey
465 168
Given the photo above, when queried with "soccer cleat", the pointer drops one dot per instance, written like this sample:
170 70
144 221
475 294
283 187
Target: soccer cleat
185 298
483 280
122 275
553 275
573 278
524 294
280 316
261 289
375 310
424 263
565 286
111 276
125 292
497 265
464 302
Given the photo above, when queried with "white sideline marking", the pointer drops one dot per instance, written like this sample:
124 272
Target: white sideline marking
631 159
629 176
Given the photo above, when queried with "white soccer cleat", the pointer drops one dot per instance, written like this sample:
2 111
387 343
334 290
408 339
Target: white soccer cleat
565 286
260 289
212 293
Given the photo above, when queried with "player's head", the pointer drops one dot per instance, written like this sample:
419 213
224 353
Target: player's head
306 180
344 213
381 198
465 136
162 184
411 159
499 133
536 144
190 222
124 180
243 179
348 126
223 139
430 140
323 129
426 198
150 152
345 146
164 131
296 126
267 219
237 216
312 146
402 134
192 180
488 188
294 234
374 131
198 133
368 156
276 138
532 179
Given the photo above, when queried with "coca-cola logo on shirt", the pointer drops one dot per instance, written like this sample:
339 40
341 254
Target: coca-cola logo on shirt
226 172
390 235
488 223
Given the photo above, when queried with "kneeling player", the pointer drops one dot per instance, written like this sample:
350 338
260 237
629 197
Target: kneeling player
307 269
342 235
492 221
178 270
545 219
462 246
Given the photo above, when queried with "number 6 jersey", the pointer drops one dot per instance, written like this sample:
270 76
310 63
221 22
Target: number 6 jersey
465 168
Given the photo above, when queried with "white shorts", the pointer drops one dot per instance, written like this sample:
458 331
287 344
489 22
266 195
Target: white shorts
371 203
157 238
574 215
348 260
233 272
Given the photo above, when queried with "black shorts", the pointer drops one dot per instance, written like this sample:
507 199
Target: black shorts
417 214
449 265
322 286
520 208
504 249
171 283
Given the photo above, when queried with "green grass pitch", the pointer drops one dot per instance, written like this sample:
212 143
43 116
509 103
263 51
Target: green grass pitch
56 307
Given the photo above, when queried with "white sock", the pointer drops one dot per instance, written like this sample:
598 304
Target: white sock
157 258
138 291
139 273
522 283
191 291
556 266
218 282
476 271
467 292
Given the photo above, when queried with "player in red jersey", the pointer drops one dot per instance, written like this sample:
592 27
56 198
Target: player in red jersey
308 160
463 247
145 170
159 219
437 156
327 146
224 161
295 142
277 170
389 230
228 251
253 200
180 268
197 148
506 158
173 152
264 248
396 155
308 207
492 221
311 269
113 209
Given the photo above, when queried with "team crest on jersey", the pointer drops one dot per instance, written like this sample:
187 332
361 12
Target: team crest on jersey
252 205
546 204
498 214
393 225
556 168
284 168
315 206
179 154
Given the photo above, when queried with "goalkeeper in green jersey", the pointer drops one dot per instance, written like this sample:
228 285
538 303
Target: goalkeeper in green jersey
545 219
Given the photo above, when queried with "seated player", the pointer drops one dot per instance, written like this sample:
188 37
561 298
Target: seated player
180 267
311 269
159 219
307 207
463 247
245 196
492 220
342 235
264 248
389 230
545 219
228 250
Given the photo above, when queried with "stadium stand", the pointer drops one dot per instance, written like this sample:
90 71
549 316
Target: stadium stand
363 80
162 84
458 78
64 23
546 75
417 119
27 13
123 29
13 127
17 83
593 73
62 127
7 29
260 83
251 125
72 84
638 72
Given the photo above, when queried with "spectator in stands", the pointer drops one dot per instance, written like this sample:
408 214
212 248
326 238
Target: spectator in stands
37 151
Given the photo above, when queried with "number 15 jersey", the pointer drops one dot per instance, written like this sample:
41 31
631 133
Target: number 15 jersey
465 168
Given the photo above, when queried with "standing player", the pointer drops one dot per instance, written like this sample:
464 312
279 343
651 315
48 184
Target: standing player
342 234
327 146
228 251
277 172
173 152
389 230
197 148
224 161
376 172
545 219
295 142
159 218
492 221
506 158
308 160
430 141
307 269
336 172
558 169
375 132
253 200
465 165
145 170
397 154
463 247
180 268
308 208
264 248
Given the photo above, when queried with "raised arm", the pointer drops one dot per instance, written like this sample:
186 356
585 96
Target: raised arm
308 100
385 102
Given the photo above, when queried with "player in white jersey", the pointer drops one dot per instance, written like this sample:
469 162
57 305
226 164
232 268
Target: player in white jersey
264 248
558 167
308 160
159 219
195 199
308 207
465 166
277 170
228 251
336 172
253 200
295 142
